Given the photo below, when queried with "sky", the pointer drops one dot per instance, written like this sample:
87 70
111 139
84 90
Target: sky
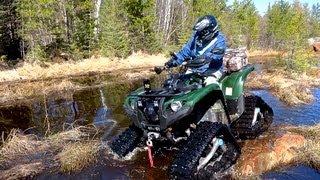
262 5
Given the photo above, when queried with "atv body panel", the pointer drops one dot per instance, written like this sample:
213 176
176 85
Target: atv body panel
233 84
160 103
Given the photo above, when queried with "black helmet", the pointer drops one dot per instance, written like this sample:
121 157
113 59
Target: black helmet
206 28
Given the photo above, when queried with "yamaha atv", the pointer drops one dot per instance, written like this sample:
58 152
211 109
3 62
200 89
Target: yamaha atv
204 121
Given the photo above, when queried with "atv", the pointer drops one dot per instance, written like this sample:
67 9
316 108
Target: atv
203 121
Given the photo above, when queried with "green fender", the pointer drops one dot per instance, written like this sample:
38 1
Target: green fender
233 84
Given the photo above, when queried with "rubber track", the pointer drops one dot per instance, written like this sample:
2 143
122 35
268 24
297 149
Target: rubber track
243 128
227 160
127 141
186 161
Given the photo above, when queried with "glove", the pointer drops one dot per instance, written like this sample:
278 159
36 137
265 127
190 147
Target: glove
171 63
158 69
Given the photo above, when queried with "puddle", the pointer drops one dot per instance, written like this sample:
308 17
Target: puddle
103 108
293 173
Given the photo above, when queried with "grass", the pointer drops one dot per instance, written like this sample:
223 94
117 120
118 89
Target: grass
291 88
289 76
67 151
13 92
76 156
33 80
68 69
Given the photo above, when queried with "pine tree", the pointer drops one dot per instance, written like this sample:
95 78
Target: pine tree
141 18
114 40
9 24
287 24
315 21
243 23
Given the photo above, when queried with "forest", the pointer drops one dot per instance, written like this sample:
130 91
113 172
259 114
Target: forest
44 30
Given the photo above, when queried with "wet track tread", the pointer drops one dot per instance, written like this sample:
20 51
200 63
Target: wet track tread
242 127
127 141
186 161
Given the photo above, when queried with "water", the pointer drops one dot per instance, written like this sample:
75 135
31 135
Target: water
102 106
99 106
293 173
307 114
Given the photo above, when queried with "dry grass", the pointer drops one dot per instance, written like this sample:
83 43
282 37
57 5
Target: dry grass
12 92
310 153
69 149
98 65
260 53
23 171
291 88
19 146
76 156
33 79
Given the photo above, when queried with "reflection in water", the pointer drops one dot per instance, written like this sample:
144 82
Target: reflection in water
103 116
15 117
101 107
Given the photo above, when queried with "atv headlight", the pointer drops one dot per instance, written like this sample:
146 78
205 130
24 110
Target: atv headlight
176 106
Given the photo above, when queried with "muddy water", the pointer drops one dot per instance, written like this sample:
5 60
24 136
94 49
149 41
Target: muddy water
102 107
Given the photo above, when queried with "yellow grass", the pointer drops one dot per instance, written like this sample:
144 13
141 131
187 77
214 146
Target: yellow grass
20 146
73 149
53 70
12 92
264 53
291 88
75 157
22 171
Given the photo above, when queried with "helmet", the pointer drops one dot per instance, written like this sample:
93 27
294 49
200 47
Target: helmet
206 28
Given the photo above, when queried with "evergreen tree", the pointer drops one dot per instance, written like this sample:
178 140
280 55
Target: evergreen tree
114 40
141 19
9 24
243 23
315 21
287 24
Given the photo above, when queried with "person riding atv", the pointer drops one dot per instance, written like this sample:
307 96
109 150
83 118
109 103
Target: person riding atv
206 43
202 111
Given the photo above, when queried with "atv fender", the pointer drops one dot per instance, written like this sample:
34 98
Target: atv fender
233 84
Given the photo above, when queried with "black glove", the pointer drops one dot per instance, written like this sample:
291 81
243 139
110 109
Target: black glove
171 63
158 69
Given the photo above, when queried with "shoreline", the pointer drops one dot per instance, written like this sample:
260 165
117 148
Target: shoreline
33 80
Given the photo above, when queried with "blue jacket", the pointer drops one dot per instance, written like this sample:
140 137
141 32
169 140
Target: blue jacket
212 51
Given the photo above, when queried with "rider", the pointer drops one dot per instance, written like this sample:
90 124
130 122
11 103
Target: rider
206 43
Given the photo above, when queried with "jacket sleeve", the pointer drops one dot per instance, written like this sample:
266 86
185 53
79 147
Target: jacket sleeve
215 55
185 52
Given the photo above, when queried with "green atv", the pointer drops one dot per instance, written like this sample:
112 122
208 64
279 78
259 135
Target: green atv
203 121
